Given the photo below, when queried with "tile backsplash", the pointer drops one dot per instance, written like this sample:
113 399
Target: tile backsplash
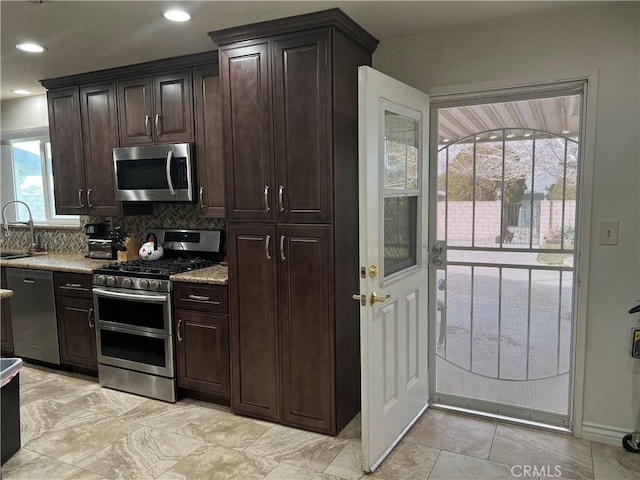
73 240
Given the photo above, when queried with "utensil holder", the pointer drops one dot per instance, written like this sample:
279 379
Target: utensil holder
132 245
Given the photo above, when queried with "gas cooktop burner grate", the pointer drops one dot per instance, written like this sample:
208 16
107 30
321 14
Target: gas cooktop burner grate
157 267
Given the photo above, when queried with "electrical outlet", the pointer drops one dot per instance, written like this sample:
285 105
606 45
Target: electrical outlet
608 233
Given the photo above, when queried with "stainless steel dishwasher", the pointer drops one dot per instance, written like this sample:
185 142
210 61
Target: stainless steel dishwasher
33 315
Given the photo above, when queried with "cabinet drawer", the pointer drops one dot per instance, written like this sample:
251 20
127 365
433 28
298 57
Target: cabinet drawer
72 284
206 298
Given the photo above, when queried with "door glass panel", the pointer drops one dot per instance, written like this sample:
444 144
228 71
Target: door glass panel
401 171
401 151
399 233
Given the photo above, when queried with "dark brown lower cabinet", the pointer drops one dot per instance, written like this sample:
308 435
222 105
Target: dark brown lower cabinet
77 332
202 340
203 351
76 319
6 337
255 375
282 323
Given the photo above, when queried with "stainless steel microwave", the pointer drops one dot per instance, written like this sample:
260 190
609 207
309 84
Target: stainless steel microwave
155 173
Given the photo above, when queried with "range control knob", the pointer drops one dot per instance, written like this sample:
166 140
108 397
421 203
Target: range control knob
111 280
127 282
144 283
101 280
155 284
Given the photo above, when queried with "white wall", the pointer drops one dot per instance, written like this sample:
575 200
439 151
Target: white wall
20 113
553 46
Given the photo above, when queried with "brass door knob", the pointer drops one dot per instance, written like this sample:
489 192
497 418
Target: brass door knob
375 298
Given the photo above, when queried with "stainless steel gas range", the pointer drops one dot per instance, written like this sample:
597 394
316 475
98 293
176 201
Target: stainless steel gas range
134 325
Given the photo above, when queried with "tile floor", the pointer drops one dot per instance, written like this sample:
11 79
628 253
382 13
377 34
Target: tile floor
74 429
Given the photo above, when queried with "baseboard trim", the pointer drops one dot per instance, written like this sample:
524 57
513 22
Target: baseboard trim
603 433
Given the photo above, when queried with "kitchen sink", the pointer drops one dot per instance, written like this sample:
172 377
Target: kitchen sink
12 255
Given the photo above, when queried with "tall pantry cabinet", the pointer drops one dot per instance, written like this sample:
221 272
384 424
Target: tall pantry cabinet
290 107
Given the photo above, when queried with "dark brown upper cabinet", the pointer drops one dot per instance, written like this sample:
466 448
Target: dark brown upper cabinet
153 102
100 136
66 151
277 153
247 122
83 133
302 106
209 144
156 109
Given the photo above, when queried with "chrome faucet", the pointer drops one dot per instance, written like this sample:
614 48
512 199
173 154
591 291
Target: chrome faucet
6 223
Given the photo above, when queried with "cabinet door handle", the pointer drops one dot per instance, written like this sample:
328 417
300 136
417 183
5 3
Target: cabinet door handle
200 298
280 194
158 130
80 190
266 198
146 125
89 198
72 285
282 248
28 280
201 197
266 246
89 315
179 326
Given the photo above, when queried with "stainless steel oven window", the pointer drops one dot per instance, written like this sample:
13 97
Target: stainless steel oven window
135 350
150 312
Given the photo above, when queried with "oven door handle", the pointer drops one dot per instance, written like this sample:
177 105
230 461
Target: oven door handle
102 325
130 296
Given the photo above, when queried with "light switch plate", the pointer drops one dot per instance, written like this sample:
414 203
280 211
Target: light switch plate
608 233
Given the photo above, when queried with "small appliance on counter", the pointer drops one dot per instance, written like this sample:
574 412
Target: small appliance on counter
95 230
99 245
101 248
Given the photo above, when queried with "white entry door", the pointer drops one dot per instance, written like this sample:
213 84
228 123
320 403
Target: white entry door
393 134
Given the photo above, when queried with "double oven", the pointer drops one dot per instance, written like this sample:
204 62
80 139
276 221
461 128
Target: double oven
133 311
135 340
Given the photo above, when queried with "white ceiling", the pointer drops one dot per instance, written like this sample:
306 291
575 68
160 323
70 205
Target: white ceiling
84 36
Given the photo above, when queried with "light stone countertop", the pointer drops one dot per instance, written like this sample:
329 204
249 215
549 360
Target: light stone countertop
78 263
216 275
4 293
58 262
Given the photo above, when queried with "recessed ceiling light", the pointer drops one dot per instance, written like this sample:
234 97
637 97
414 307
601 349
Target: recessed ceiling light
177 16
446 140
20 91
493 137
528 134
566 132
30 47
511 135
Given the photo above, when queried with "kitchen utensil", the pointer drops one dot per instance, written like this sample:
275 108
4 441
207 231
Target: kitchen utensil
151 250
119 237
